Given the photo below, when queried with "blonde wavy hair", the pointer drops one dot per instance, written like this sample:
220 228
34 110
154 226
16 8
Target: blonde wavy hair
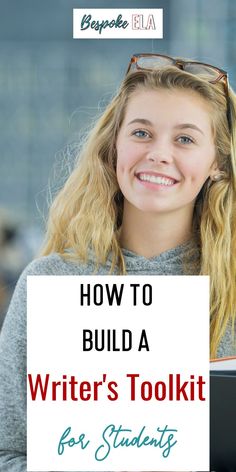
87 212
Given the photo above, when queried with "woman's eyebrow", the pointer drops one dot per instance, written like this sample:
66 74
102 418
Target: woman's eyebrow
143 121
189 125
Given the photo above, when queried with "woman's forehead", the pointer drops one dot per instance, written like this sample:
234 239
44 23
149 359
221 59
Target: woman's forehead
168 104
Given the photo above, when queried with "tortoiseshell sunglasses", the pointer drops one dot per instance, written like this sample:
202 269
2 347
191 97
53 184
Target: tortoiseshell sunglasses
152 61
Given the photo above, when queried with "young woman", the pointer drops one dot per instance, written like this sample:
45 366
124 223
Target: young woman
153 192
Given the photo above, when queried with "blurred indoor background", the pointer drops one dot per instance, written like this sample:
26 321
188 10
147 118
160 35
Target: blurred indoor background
51 87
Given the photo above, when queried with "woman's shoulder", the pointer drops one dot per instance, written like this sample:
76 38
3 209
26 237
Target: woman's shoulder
54 264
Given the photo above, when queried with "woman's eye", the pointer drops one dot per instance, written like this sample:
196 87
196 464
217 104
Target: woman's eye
185 140
140 133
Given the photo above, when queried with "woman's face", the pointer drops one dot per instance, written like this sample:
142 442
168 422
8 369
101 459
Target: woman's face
165 150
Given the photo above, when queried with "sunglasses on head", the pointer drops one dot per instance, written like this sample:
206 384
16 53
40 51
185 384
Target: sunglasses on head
155 61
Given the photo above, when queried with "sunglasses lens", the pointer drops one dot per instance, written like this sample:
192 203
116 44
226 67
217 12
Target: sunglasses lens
153 62
206 72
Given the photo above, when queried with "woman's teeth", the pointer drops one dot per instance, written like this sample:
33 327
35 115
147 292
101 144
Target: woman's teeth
156 179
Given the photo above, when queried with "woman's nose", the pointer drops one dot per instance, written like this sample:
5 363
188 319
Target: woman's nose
160 155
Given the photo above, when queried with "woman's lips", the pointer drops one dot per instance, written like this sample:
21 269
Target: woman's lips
156 179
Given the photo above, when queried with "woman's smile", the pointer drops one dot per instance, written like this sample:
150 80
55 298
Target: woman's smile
154 180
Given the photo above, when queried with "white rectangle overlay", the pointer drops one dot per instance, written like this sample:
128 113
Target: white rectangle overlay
118 373
115 23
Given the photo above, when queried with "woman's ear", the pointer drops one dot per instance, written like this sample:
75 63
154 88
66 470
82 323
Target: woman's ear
215 172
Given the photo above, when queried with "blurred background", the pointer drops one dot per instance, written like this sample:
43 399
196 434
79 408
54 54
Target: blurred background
52 87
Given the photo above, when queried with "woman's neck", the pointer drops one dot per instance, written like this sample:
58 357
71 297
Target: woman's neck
149 234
